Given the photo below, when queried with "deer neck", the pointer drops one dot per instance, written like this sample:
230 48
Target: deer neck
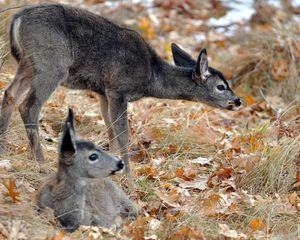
70 178
171 82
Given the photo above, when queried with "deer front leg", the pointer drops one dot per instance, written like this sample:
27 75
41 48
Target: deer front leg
113 147
118 115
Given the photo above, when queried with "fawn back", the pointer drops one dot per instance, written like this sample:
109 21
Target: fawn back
81 192
56 44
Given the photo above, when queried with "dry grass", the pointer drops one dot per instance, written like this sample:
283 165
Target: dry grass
276 171
261 54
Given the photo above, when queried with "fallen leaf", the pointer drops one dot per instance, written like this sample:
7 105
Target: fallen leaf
57 236
148 171
211 203
227 232
145 25
224 173
280 70
187 175
168 199
186 233
249 100
202 160
2 85
10 186
293 199
136 229
199 183
257 224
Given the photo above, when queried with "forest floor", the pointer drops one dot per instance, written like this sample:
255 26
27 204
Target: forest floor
200 173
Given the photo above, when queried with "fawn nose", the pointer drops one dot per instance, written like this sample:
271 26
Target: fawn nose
120 164
237 102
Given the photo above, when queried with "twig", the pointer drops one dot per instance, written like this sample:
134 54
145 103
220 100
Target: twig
11 8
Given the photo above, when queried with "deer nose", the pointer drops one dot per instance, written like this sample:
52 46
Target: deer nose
120 164
237 102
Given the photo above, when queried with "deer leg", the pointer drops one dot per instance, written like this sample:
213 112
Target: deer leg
118 116
18 86
113 147
42 87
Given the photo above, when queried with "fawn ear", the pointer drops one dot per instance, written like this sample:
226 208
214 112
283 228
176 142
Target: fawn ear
201 70
182 58
68 143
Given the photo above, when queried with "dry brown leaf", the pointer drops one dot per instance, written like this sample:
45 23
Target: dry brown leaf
148 171
186 174
10 186
227 232
293 199
257 224
169 199
151 134
210 204
198 183
280 70
249 100
136 230
2 85
145 25
166 175
203 133
57 236
186 233
224 173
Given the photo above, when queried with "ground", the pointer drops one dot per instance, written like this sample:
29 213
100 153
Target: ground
200 173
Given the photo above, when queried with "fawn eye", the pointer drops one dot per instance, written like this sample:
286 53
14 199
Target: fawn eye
93 157
221 87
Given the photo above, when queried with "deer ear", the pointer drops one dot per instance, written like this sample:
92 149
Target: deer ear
68 143
201 69
182 58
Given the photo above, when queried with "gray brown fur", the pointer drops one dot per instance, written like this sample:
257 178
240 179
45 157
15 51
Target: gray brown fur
56 44
81 193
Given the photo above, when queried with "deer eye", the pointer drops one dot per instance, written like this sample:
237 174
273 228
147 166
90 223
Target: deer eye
221 87
93 157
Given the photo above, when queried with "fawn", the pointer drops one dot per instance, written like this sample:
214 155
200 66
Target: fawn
81 193
57 44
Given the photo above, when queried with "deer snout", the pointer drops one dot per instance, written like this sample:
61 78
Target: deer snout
234 104
120 164
237 102
119 167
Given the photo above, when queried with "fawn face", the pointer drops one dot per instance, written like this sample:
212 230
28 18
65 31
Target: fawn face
84 158
210 84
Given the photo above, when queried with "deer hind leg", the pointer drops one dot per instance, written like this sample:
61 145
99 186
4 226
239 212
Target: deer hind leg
15 90
113 145
43 85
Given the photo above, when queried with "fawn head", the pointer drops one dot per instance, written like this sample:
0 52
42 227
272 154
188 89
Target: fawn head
210 82
84 158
